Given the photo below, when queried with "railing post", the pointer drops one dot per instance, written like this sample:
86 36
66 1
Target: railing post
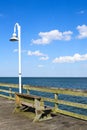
28 91
10 92
56 99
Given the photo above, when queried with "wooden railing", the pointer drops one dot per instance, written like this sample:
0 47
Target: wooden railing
56 97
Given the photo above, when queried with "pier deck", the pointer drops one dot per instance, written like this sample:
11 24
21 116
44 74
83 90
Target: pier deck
11 121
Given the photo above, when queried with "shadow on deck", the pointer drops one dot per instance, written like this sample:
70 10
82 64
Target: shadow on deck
11 121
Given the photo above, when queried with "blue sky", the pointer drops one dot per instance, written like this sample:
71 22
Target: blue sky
53 38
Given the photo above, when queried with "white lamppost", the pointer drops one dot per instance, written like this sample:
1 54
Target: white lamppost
18 38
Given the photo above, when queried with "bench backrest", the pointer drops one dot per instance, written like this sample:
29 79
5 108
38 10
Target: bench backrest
29 100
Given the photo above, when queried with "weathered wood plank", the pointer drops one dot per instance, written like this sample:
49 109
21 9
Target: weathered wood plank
73 104
72 114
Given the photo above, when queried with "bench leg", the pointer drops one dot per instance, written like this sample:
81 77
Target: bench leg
16 109
38 115
42 115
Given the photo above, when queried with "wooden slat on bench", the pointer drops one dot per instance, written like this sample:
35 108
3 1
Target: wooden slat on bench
28 96
27 104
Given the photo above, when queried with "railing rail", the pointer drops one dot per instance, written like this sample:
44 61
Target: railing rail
8 91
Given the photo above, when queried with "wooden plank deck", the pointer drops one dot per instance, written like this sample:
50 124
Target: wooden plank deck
11 121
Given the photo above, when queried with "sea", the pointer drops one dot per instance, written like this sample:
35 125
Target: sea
58 82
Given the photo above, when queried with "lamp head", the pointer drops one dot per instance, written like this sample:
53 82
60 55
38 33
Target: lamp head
14 38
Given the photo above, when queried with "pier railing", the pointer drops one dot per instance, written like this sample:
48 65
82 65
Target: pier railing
71 102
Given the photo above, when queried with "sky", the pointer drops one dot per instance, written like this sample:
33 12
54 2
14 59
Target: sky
53 38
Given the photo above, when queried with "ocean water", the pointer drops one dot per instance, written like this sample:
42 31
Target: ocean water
60 82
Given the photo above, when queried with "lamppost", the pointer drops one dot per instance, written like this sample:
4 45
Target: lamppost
18 38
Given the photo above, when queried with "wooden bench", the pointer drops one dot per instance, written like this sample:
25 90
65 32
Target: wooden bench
24 102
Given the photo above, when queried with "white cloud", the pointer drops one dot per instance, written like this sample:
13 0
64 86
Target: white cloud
39 54
70 59
82 31
47 37
44 58
35 53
